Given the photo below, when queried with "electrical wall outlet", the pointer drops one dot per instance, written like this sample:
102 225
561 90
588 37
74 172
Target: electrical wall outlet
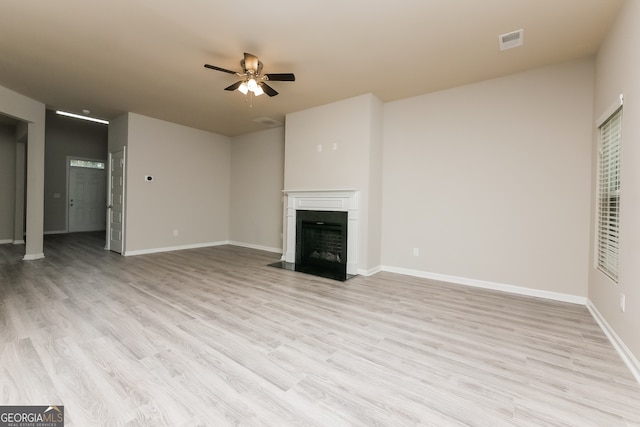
416 251
175 233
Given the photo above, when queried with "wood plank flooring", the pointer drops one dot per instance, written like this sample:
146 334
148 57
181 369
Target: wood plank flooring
215 337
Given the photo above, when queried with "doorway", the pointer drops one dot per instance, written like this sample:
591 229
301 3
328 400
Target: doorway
115 224
86 195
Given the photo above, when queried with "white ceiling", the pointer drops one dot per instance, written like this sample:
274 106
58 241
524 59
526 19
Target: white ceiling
147 56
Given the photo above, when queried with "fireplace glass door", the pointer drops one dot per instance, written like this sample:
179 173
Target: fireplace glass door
321 243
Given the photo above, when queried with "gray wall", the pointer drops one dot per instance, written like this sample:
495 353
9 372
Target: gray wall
28 110
64 137
7 181
257 179
348 133
491 180
618 72
187 203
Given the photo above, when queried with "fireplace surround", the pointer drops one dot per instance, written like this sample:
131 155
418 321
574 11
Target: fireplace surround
328 201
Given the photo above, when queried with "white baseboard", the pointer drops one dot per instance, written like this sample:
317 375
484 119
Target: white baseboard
32 257
174 248
627 356
520 290
258 247
370 272
56 232
19 242
5 241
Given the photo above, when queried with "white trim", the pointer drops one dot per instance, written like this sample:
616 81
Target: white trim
258 247
370 272
31 257
629 359
125 192
107 245
174 248
627 356
520 290
321 192
609 111
342 200
19 242
56 232
5 241
66 232
107 220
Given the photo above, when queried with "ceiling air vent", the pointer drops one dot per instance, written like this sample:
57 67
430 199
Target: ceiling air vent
512 39
267 121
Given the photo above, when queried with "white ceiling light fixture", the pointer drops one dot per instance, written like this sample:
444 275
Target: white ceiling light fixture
511 40
78 116
251 85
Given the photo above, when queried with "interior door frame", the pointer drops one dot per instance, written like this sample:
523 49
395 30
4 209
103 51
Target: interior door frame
107 245
68 169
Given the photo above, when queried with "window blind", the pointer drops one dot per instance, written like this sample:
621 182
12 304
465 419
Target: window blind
609 195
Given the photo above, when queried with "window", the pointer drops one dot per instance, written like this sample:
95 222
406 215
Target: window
78 163
608 209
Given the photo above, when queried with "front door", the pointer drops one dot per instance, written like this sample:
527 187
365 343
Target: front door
115 237
86 199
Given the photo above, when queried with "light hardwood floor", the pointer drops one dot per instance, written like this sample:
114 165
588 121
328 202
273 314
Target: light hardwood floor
215 337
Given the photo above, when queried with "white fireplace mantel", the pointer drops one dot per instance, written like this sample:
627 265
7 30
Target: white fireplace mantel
324 200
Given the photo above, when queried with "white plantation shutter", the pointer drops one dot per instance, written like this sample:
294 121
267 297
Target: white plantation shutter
609 194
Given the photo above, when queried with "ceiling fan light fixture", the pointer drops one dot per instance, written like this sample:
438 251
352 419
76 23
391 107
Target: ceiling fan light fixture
252 84
252 79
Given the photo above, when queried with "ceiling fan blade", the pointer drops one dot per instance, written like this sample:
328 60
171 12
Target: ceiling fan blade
224 70
281 77
268 89
250 62
234 86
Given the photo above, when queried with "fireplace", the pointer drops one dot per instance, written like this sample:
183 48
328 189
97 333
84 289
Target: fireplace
345 203
321 243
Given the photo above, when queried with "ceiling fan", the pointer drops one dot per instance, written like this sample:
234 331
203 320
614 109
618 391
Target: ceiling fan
252 79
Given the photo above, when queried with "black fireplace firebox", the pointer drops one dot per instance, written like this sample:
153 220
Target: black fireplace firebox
321 243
